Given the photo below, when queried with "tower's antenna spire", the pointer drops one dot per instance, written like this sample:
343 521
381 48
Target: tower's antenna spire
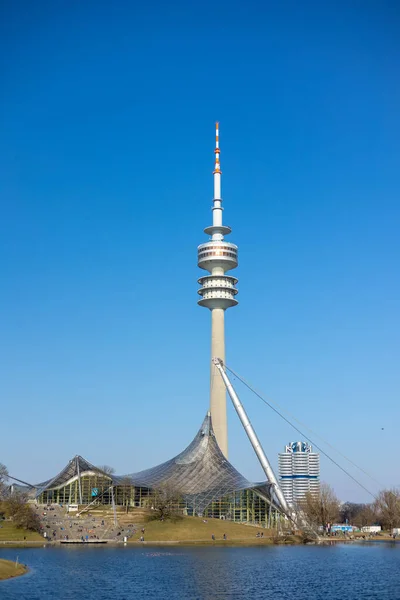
217 166
217 150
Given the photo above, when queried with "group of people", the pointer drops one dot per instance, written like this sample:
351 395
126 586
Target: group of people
224 537
56 525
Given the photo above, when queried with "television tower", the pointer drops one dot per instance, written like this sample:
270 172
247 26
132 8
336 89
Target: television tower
218 293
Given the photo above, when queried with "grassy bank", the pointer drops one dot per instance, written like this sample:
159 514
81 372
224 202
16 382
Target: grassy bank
184 530
10 533
193 530
9 569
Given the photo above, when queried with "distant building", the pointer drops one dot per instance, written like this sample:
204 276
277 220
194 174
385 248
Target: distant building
342 527
298 471
371 529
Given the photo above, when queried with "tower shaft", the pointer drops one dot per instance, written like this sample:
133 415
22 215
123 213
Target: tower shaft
217 386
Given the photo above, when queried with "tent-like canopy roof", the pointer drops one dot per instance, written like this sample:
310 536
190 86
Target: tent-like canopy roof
74 468
201 473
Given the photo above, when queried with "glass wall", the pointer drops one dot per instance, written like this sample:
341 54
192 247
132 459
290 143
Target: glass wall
91 487
243 506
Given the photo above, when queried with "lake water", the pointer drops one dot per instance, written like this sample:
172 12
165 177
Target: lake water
339 572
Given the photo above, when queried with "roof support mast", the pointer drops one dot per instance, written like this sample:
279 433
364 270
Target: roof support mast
251 434
79 479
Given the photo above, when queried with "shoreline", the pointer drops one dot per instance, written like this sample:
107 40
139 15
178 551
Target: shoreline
247 542
10 569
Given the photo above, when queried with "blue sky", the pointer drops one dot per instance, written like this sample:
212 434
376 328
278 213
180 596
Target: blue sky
106 158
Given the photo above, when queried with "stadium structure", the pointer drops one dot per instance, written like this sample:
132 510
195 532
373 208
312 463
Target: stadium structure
208 484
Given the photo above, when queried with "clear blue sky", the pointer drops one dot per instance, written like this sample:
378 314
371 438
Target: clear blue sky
106 158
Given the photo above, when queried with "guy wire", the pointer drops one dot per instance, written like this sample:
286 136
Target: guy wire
299 431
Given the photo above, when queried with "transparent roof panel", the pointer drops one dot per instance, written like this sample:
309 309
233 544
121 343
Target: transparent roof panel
76 466
201 473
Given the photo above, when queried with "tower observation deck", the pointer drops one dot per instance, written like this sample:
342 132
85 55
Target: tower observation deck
218 292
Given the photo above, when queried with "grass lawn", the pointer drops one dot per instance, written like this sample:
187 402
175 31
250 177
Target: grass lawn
194 530
9 533
10 569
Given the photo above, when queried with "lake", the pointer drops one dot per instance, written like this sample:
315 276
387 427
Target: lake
337 572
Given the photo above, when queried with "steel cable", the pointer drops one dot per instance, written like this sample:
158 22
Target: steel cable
301 432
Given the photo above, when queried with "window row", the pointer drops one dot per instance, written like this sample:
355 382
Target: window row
217 253
218 248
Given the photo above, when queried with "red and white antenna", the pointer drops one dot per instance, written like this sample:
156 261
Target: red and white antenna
217 166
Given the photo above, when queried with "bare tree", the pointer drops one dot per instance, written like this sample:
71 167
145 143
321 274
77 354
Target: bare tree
3 472
3 481
320 509
27 518
349 511
22 513
387 507
359 515
15 505
126 487
366 516
3 488
107 469
166 501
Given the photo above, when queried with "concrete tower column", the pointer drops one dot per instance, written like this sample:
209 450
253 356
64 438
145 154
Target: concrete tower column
218 292
217 386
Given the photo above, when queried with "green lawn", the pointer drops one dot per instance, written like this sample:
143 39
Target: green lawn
194 530
9 569
9 533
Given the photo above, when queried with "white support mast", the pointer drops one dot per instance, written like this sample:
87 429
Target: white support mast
251 434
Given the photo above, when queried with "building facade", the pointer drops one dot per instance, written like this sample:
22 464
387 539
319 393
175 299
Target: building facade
298 471
207 485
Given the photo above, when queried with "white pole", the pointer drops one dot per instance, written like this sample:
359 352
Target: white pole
79 482
113 506
251 434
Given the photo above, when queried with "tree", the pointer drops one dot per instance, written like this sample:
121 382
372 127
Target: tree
3 481
320 509
27 518
166 500
366 516
15 505
349 511
22 513
125 486
107 469
387 506
358 514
